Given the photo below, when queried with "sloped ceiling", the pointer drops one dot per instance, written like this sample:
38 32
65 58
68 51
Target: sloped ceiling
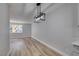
25 11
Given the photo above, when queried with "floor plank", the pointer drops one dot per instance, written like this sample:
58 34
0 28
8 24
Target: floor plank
29 47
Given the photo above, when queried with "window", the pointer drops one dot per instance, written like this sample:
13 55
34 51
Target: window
16 28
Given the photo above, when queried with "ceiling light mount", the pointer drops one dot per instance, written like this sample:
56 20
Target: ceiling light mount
38 4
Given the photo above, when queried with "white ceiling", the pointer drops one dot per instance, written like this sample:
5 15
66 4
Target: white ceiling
25 11
21 11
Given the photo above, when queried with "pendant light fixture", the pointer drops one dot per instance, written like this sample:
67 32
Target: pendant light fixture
40 16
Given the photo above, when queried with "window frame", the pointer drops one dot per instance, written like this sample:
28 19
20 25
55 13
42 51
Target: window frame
17 26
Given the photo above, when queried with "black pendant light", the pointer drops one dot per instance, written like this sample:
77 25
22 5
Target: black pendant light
40 15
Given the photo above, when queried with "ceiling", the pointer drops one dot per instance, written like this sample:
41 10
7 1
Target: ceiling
24 12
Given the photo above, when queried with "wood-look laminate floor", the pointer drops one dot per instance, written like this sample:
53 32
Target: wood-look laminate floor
29 47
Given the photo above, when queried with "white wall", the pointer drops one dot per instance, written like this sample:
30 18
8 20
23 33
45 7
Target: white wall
77 27
4 29
59 29
26 32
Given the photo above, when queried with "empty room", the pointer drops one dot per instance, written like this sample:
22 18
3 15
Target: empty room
39 29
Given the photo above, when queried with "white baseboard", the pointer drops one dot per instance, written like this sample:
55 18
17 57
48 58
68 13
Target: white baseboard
50 46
